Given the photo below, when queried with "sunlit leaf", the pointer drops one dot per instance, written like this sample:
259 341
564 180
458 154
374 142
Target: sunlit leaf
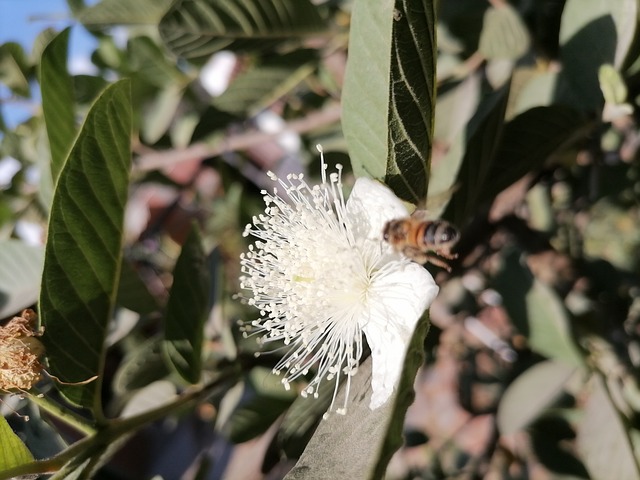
530 394
504 35
57 100
593 33
603 440
365 96
84 246
412 99
612 85
20 269
198 28
188 309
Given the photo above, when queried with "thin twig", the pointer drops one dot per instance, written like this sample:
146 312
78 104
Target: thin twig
155 160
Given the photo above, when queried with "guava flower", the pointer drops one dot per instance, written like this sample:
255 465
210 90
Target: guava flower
321 276
20 353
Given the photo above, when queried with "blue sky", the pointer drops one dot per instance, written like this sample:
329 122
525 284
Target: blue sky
21 21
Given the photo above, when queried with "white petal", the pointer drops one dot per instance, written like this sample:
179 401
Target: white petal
375 204
398 300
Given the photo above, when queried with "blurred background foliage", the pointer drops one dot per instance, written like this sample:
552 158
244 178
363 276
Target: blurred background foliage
532 358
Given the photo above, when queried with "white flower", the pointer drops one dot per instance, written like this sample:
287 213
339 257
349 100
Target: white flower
321 276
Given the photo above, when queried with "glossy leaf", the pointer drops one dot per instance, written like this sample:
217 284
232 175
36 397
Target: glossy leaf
360 444
412 99
188 309
20 269
84 246
530 394
13 452
198 28
603 440
365 97
57 100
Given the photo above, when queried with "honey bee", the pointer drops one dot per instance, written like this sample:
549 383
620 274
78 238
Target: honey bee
422 240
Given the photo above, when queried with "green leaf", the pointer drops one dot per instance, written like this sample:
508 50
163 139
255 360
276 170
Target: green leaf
454 109
13 452
593 33
57 100
255 416
537 312
612 85
504 154
84 246
529 140
124 12
603 440
504 35
365 96
581 21
412 99
530 394
145 58
14 68
188 309
20 269
301 420
360 444
259 87
133 293
198 28
143 365
482 139
159 116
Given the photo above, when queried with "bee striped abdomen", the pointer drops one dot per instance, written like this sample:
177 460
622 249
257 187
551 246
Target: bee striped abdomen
439 233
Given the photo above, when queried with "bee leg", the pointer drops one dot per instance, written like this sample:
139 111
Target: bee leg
415 254
439 262
446 253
